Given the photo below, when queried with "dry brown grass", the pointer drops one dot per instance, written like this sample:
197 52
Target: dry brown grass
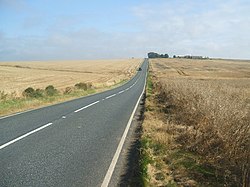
206 105
17 76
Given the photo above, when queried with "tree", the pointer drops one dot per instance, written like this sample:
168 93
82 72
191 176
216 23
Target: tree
153 55
156 55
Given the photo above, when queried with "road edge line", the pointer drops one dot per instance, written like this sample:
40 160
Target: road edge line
110 171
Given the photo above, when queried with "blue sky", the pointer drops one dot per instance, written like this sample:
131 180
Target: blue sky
77 29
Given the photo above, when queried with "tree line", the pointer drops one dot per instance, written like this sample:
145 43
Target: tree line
156 55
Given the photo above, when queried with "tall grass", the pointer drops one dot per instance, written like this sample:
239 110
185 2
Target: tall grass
214 120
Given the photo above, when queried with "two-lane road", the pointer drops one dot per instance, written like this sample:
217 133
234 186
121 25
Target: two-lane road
75 143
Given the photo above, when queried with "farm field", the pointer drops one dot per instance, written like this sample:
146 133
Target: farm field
202 69
196 130
29 85
17 76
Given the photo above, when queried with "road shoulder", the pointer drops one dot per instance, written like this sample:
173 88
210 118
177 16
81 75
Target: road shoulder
127 170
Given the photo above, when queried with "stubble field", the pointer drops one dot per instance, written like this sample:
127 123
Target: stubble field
29 85
17 76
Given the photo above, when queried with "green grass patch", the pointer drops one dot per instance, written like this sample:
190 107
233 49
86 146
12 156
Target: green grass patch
145 159
158 148
7 105
18 104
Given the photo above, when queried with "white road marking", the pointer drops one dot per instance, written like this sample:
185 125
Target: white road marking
25 135
121 91
127 89
110 171
86 106
110 96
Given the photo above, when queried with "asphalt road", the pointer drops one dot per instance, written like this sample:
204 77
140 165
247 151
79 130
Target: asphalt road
71 143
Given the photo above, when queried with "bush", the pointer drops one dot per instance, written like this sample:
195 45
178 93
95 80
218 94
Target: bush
39 93
28 92
31 92
82 86
50 90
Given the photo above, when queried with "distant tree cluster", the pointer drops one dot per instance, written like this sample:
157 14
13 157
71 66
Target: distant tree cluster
190 57
156 55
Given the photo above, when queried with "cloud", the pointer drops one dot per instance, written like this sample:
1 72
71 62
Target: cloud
191 28
211 28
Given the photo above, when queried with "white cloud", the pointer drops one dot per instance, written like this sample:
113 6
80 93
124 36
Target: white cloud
220 30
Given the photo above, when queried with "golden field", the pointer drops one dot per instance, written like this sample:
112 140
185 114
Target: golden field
196 127
17 76
62 77
238 70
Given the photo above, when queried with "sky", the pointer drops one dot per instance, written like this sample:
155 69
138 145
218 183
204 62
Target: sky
111 29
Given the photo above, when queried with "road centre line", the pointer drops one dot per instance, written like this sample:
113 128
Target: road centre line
25 135
40 128
121 91
110 96
86 106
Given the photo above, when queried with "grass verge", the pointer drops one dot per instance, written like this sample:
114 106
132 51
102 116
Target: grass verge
10 104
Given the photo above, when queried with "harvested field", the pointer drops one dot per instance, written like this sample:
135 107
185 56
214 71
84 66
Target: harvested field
197 123
202 69
17 76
